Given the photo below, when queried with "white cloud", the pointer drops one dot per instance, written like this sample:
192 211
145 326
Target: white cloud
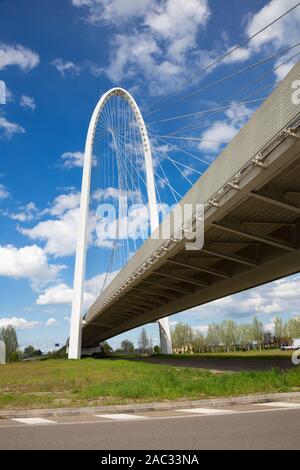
55 295
69 68
51 322
132 53
113 11
239 55
18 323
141 54
270 326
102 229
3 192
162 36
220 132
284 69
168 18
273 307
238 113
275 298
9 129
115 193
65 202
72 159
59 235
27 102
60 294
223 131
60 232
159 39
282 34
178 22
25 214
64 67
18 55
96 284
28 262
201 329
287 290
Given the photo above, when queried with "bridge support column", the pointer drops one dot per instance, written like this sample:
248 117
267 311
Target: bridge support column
78 286
165 336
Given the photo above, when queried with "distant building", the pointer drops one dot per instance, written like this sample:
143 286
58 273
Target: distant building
185 349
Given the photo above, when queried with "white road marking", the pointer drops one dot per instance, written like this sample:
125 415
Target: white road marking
280 404
206 411
34 421
154 418
121 416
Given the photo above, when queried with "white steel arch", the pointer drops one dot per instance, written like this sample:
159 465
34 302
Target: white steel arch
78 286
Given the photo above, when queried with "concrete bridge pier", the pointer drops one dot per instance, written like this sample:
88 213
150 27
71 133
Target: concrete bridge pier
165 336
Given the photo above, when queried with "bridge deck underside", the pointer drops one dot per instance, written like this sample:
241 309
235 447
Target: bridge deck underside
251 239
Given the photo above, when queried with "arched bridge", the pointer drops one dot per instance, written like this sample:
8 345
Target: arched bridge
251 197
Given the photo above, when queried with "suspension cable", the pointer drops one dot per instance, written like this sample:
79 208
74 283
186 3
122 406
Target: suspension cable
227 54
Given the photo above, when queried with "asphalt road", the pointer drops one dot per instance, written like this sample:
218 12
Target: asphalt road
234 365
256 429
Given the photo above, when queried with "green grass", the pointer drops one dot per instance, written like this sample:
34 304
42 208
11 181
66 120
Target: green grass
59 383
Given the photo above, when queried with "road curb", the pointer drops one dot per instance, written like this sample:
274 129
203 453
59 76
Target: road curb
145 407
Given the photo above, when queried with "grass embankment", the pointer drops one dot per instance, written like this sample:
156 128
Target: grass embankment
59 383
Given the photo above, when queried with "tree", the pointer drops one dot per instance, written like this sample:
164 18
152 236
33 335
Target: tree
106 348
15 356
279 330
182 335
244 334
156 349
9 336
293 328
30 351
257 331
214 337
198 342
143 341
228 334
127 346
268 339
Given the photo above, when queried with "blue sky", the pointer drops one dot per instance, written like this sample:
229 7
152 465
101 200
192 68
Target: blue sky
56 58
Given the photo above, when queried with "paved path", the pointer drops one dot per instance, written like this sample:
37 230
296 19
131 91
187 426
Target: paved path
235 365
261 426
